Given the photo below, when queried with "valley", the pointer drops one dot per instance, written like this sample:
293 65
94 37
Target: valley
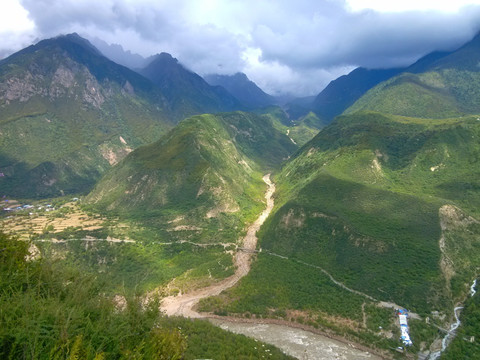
182 305
145 211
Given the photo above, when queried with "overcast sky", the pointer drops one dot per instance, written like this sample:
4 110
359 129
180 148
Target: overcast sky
284 46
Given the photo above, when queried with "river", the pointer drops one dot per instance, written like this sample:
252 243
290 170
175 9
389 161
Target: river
453 328
295 342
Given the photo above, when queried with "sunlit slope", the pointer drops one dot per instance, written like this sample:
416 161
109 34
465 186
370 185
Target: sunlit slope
205 174
368 200
362 199
67 114
441 86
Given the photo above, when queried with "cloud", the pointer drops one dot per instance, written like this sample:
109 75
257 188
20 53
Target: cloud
284 46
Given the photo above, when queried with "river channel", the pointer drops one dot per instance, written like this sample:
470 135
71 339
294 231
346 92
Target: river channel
453 328
295 342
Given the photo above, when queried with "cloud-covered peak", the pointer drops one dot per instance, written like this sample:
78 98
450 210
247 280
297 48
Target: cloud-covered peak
285 47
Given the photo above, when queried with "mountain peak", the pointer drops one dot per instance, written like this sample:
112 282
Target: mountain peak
187 92
70 42
240 86
166 56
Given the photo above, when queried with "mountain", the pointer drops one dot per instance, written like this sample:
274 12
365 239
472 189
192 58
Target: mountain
187 92
245 90
116 53
67 114
204 175
341 93
378 210
374 208
443 86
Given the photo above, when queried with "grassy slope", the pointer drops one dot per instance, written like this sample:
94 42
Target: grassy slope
53 311
207 171
372 174
301 131
362 202
68 115
441 93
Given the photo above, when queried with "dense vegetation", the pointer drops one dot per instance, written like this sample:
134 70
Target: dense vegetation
365 200
68 113
144 266
203 176
440 85
462 347
50 311
362 202
299 131
343 92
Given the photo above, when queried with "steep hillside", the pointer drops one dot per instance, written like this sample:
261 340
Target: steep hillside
245 90
187 93
441 86
68 114
53 310
374 208
383 179
341 93
299 132
203 175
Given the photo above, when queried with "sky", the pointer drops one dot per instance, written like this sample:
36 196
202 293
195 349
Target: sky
286 47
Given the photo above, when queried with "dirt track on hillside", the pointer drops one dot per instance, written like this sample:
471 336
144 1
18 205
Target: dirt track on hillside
182 305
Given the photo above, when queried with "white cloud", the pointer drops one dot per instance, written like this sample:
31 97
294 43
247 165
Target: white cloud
410 5
283 45
16 29
14 18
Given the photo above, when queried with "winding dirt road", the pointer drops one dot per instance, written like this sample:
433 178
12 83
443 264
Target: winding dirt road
182 305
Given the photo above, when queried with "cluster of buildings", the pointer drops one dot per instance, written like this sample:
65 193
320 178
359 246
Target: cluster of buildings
26 207
405 335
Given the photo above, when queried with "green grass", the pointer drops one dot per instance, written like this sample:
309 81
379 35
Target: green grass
376 241
296 286
208 164
301 130
54 311
143 267
361 201
436 94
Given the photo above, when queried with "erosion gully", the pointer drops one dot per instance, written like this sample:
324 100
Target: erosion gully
453 328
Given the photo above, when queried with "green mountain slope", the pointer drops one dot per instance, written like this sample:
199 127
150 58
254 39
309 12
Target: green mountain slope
341 93
53 310
67 114
380 181
386 206
203 175
187 93
441 86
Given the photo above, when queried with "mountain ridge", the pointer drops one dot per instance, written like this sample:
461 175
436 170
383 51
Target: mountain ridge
68 113
245 90
187 92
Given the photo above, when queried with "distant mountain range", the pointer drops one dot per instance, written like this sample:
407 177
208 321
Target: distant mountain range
69 113
440 85
187 93
245 90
